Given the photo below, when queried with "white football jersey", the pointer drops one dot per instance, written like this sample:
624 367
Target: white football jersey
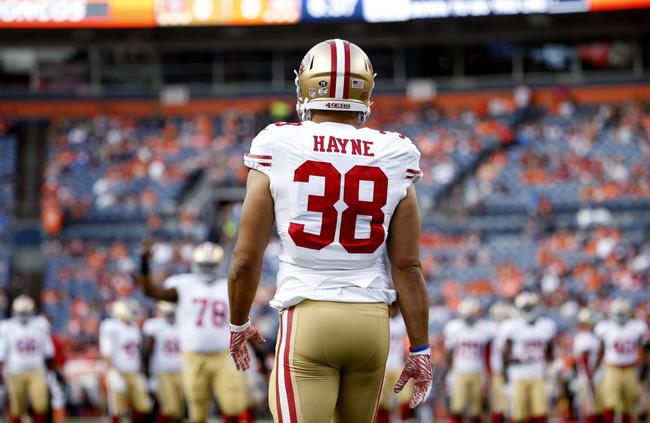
121 343
397 348
468 343
621 341
202 314
25 347
529 345
166 354
586 342
335 188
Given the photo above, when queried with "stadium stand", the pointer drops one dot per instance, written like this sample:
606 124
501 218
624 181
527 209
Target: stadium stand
522 230
7 200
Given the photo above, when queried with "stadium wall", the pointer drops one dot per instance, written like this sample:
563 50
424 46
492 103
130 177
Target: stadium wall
452 101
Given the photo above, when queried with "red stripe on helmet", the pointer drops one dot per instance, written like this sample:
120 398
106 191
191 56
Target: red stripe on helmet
346 81
332 90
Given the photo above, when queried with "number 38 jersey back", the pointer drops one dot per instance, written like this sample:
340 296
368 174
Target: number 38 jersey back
335 188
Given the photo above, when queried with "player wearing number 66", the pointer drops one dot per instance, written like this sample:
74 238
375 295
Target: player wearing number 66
202 319
340 196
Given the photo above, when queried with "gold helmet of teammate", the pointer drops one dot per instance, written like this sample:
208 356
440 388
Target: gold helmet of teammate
470 310
167 311
528 305
335 75
620 310
121 310
586 317
500 311
23 308
206 259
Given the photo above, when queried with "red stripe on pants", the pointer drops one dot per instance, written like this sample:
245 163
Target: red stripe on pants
291 399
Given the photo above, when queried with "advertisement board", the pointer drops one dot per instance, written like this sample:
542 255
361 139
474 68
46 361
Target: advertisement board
403 10
601 5
76 13
226 12
331 10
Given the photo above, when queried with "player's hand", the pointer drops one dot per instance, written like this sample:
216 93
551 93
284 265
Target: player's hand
417 368
239 336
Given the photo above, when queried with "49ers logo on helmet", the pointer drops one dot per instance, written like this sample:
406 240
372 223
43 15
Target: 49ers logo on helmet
304 63
337 106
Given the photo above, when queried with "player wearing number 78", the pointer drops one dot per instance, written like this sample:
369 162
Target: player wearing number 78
202 318
340 196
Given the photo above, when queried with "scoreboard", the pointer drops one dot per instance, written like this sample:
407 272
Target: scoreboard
150 13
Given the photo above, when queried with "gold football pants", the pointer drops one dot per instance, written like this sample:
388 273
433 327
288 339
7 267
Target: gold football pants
529 399
466 393
620 386
170 395
330 360
208 374
28 388
134 393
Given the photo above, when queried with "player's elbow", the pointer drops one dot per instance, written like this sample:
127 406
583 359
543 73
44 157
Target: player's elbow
406 265
243 263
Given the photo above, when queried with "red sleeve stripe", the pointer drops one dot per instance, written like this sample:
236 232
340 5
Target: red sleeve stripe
416 171
258 156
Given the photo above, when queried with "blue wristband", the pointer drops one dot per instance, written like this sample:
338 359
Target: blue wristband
418 349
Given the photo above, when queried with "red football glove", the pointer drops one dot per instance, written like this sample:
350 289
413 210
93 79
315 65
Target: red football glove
239 336
417 368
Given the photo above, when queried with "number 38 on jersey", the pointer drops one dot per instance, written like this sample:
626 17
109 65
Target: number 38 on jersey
335 187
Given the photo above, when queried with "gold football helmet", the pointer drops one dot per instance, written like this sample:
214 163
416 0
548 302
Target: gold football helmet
586 317
121 310
167 311
620 310
470 309
206 259
335 75
528 304
23 308
500 311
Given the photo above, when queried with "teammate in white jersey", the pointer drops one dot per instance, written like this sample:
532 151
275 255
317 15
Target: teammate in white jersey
340 196
163 351
202 318
120 344
26 351
467 341
499 313
390 401
586 349
527 350
621 338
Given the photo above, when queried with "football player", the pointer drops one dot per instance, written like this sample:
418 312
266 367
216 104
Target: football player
621 337
202 313
390 401
120 344
499 313
163 352
26 351
527 350
340 195
467 344
586 349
